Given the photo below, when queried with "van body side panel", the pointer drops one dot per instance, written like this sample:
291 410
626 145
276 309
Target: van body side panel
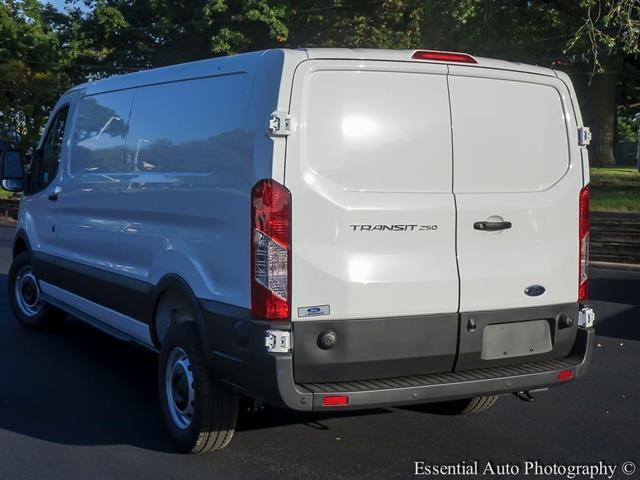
162 196
373 215
269 82
159 179
516 160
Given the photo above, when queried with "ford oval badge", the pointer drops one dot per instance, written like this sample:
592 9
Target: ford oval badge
314 310
534 290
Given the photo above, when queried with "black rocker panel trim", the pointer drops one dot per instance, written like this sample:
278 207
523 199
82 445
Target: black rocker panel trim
44 266
123 294
120 293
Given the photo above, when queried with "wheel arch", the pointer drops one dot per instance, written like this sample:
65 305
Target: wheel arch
175 284
20 243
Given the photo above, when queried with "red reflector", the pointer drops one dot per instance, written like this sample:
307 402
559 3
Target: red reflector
443 56
335 400
565 375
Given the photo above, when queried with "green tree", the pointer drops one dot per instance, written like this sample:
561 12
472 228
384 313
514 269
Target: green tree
365 24
42 51
148 33
32 69
611 33
595 41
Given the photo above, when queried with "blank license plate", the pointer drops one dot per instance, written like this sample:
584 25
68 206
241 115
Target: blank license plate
506 340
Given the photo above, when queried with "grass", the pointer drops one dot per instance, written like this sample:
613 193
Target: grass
615 189
4 194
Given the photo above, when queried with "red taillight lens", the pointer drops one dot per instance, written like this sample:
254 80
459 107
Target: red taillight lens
335 400
443 56
565 375
270 250
583 244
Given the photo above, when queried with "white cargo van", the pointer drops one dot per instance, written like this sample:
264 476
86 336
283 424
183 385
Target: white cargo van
322 229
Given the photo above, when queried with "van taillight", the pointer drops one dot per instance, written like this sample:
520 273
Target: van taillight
583 239
270 250
438 56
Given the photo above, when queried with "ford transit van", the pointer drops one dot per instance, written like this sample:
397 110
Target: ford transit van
321 229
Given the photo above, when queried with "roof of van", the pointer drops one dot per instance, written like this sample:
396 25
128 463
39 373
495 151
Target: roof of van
213 65
405 55
181 71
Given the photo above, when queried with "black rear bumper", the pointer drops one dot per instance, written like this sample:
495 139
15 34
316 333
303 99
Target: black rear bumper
239 357
435 387
466 384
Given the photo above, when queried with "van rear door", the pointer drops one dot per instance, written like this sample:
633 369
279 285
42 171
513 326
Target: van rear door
373 215
517 178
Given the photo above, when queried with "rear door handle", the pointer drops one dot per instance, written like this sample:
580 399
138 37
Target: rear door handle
492 226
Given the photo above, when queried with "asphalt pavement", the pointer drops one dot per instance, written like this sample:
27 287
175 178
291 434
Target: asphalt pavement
76 404
6 242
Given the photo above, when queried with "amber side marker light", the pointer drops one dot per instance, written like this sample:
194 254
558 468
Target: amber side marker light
565 375
335 400
438 56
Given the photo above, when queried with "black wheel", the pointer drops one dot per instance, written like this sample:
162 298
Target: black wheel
25 297
199 411
465 406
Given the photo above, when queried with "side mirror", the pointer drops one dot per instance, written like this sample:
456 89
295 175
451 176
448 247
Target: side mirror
12 170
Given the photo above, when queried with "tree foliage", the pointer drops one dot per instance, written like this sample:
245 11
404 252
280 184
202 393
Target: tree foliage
43 51
32 67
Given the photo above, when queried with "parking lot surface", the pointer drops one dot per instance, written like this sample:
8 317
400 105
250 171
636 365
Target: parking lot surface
76 404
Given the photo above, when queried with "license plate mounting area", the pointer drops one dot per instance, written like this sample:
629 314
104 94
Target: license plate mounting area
508 340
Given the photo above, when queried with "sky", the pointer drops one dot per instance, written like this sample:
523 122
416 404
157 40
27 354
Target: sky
57 3
60 4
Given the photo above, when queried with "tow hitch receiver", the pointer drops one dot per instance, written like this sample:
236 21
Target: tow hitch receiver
525 396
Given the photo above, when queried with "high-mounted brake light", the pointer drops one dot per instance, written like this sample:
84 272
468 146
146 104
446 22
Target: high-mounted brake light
270 250
583 244
443 56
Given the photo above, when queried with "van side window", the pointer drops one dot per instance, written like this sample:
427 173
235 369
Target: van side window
45 163
193 126
100 132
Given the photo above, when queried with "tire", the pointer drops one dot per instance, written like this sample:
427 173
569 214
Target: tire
208 423
466 406
25 297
